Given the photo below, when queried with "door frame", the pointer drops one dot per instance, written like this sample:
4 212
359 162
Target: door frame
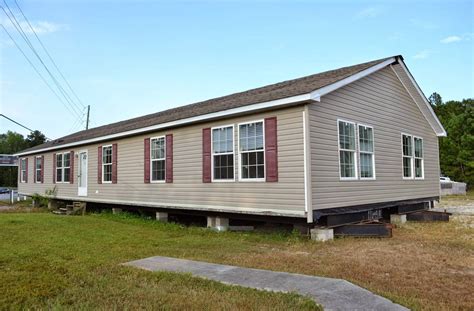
82 191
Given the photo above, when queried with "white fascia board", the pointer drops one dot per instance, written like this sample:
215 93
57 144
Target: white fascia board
316 95
443 131
209 116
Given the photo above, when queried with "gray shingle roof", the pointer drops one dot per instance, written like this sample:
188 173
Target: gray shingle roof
280 90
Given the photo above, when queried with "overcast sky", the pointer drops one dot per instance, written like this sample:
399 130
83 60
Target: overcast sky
130 58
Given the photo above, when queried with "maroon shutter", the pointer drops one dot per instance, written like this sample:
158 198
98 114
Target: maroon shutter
206 155
54 168
271 149
147 161
42 169
169 158
26 169
71 170
99 165
114 163
35 159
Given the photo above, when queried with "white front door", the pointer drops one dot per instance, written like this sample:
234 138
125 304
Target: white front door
82 176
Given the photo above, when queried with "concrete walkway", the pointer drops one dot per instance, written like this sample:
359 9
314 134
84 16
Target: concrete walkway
332 294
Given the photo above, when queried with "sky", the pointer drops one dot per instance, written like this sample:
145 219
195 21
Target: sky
130 58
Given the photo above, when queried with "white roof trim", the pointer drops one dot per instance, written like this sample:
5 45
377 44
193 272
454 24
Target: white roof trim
316 95
214 115
443 131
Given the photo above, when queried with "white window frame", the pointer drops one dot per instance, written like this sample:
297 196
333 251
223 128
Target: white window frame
62 168
104 164
163 159
240 153
422 158
38 158
225 153
366 152
412 163
356 175
23 169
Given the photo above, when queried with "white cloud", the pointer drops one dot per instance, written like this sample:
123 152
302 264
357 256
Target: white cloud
369 12
422 54
451 39
40 27
454 38
43 27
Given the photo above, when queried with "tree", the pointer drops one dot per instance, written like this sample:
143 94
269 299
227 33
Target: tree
435 99
35 138
457 149
12 142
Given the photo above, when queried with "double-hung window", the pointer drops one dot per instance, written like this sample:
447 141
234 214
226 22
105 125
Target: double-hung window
347 150
38 169
252 151
223 153
366 152
63 167
157 159
23 170
419 169
407 146
107 164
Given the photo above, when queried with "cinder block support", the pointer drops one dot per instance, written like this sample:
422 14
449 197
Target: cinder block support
116 210
218 223
398 219
322 234
162 216
53 204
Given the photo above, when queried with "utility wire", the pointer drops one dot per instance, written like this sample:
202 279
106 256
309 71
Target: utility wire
20 30
47 53
36 70
18 123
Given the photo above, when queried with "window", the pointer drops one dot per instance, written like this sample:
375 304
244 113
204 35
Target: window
223 153
107 164
347 150
419 169
157 158
407 146
366 152
38 169
63 167
252 151
23 170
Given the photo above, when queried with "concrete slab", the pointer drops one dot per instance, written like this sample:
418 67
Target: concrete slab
332 294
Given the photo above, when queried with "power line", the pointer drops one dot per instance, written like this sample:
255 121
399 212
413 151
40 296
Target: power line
20 30
47 53
18 123
36 70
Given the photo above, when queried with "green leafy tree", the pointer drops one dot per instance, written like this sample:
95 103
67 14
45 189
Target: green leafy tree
35 138
457 149
435 99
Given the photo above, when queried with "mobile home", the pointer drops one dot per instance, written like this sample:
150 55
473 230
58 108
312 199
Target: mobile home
351 142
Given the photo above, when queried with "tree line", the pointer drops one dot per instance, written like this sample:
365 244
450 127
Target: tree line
456 151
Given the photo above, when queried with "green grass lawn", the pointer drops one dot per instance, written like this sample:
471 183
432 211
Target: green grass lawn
49 261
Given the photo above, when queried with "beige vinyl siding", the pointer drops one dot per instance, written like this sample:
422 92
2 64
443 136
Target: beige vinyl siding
187 189
380 101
